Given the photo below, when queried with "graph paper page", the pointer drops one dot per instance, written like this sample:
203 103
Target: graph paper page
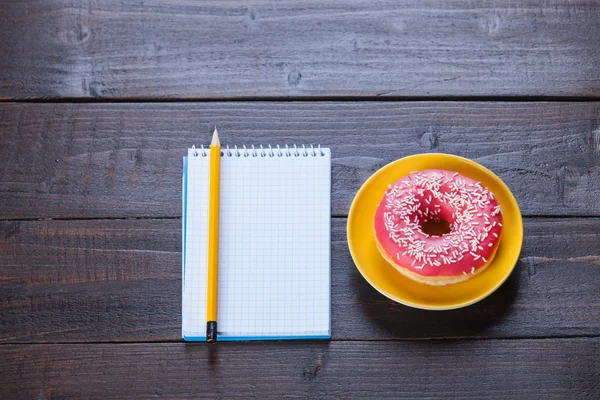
274 246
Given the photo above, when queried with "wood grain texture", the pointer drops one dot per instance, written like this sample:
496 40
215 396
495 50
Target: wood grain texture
216 49
124 160
532 369
120 280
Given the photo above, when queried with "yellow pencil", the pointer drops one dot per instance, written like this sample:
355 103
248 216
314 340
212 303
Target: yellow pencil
213 237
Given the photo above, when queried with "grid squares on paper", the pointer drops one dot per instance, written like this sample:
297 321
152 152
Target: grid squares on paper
274 246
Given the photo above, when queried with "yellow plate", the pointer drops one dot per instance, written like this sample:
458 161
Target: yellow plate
389 282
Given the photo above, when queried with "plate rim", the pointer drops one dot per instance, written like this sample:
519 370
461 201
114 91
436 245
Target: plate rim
436 307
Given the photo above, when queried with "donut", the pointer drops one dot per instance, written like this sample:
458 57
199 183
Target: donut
470 212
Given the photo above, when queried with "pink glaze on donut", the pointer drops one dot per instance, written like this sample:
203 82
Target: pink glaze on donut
473 213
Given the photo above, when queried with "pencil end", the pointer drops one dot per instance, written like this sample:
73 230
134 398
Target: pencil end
211 331
215 138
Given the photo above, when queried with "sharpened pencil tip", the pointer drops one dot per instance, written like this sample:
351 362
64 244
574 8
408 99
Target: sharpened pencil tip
215 138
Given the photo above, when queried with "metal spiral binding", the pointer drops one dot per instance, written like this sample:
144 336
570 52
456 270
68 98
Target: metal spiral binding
199 152
264 152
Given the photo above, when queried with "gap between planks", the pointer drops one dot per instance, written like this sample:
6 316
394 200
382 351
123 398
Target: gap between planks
335 216
308 341
273 99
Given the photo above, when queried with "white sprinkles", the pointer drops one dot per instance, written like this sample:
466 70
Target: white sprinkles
421 196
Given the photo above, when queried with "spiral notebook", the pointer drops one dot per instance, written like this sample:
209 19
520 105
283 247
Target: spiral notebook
274 244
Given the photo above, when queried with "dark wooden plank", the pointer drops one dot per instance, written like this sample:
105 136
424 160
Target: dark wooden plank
120 280
508 369
124 160
217 49
91 280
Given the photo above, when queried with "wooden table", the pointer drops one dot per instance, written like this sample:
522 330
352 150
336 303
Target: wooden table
100 99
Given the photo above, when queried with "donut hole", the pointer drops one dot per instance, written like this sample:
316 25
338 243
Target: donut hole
436 227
